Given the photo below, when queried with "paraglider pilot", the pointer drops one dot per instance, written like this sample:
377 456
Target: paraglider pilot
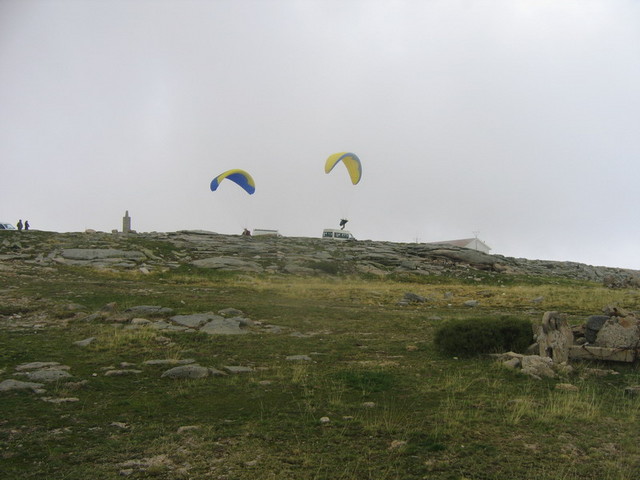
343 222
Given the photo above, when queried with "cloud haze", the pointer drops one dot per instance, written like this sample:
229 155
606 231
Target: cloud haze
517 119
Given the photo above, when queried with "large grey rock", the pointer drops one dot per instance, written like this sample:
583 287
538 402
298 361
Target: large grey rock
593 325
554 337
149 310
186 371
537 366
619 332
195 320
228 264
36 366
8 385
100 254
224 326
84 343
191 371
47 376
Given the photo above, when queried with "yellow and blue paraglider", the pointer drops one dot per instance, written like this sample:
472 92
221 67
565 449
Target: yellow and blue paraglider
238 176
350 160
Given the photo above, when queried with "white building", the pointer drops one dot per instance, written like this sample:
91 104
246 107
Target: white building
472 243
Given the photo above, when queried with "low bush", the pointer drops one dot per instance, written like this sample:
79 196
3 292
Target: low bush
475 336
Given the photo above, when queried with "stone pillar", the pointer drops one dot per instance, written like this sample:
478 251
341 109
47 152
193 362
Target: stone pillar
126 223
554 337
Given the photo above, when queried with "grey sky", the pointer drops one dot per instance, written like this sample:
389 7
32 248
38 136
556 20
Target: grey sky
515 119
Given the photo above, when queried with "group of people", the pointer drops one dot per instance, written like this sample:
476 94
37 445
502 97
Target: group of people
20 225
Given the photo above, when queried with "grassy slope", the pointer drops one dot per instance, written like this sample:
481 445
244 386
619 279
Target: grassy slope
430 417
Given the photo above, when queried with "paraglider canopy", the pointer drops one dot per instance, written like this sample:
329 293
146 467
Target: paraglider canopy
238 176
350 160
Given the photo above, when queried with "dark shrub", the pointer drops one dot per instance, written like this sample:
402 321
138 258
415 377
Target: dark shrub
475 336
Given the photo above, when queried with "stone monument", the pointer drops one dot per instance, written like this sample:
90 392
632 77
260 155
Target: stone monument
126 223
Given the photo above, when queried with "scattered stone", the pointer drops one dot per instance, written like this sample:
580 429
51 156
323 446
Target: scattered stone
36 366
60 399
170 361
188 428
121 373
396 444
231 312
471 303
8 385
537 366
140 321
368 404
191 371
150 310
194 321
223 326
298 358
413 298
84 343
47 376
325 420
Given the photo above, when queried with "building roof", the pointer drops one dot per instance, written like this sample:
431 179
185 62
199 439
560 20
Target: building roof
460 242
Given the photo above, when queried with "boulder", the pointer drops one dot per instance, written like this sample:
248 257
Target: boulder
195 320
593 325
554 337
228 264
187 371
223 326
47 376
88 254
8 385
619 332
537 366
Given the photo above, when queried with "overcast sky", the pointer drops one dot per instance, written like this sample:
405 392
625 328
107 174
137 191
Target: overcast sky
514 120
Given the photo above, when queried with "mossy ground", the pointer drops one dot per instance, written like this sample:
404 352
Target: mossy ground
396 408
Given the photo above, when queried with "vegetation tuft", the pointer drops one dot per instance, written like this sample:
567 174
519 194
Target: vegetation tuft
473 336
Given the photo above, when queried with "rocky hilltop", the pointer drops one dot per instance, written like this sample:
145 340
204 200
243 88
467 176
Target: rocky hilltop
281 255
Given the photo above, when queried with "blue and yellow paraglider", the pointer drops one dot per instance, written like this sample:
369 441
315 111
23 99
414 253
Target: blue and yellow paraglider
242 178
350 160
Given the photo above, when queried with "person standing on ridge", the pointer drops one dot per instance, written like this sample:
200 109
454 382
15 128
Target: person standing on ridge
19 225
26 225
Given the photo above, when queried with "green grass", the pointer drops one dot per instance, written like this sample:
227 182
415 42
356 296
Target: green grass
397 408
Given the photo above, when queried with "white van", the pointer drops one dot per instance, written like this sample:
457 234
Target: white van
337 234
264 231
6 226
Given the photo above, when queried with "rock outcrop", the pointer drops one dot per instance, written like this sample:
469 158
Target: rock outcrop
148 252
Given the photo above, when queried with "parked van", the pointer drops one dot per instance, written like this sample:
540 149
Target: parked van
337 234
264 231
6 226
